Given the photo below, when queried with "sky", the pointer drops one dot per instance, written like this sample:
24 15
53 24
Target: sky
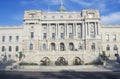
12 11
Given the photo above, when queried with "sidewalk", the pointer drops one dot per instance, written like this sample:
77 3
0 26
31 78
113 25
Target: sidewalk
83 68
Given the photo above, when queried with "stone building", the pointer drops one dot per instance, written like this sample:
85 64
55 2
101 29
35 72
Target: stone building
60 36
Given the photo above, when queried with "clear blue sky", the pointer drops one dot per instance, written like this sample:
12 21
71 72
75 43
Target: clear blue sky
12 11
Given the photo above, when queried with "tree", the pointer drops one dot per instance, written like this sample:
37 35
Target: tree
20 55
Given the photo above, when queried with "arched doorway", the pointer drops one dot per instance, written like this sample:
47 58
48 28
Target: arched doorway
62 47
61 61
77 61
53 48
45 61
71 46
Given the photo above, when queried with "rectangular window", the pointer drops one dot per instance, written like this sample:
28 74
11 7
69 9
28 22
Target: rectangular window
10 48
62 35
32 35
107 37
10 38
17 38
17 48
79 35
44 35
53 35
70 35
114 37
3 38
3 48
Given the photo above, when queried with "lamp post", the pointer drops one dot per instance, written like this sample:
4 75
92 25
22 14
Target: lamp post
5 56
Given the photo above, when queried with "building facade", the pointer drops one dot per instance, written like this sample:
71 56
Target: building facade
60 36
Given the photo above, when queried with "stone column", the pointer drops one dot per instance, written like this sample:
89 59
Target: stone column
83 29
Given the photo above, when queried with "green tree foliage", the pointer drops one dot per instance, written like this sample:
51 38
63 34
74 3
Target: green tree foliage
20 55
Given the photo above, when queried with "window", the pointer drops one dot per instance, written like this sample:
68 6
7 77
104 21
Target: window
71 46
80 46
79 35
62 35
3 48
44 35
108 48
61 16
71 35
10 48
3 38
107 37
10 38
32 35
93 46
44 46
32 27
31 15
114 37
31 47
17 48
62 47
17 38
115 47
53 35
53 46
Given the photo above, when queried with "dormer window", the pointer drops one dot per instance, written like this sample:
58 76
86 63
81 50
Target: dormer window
45 16
90 15
53 16
31 15
61 16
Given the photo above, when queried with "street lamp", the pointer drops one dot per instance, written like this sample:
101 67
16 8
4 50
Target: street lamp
5 56
84 43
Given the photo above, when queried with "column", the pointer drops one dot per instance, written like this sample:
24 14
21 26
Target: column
57 31
83 29
95 29
48 30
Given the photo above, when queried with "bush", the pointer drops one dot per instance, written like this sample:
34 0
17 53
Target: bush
95 63
27 64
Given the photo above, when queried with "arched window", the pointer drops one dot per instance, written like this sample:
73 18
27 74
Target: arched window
93 46
53 46
31 46
62 47
44 46
108 48
71 46
115 47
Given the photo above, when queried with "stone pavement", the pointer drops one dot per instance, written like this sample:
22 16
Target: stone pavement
83 68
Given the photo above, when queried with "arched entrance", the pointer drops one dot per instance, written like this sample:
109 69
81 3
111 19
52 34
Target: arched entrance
77 61
45 61
53 48
71 46
62 47
61 61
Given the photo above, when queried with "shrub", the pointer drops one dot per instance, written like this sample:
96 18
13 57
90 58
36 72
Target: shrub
27 64
95 63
